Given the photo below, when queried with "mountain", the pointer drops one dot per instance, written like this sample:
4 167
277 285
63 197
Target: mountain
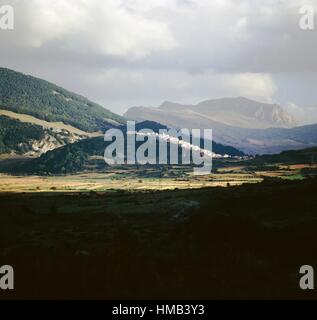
88 155
37 116
28 95
62 129
19 138
236 112
249 140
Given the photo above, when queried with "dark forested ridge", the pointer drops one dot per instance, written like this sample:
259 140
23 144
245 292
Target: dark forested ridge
28 95
14 134
308 155
68 159
88 154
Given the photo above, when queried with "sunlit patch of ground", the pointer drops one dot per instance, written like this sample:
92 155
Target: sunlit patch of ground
298 166
49 125
118 181
149 179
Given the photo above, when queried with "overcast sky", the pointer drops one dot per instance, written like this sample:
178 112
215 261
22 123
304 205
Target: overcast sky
124 53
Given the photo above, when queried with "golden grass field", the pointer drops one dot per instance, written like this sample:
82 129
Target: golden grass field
136 179
48 125
108 181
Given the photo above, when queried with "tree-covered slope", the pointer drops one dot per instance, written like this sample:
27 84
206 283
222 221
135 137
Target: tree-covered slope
31 140
68 159
28 95
292 156
15 135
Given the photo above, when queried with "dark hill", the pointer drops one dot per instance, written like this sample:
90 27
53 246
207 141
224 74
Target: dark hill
88 155
292 156
28 95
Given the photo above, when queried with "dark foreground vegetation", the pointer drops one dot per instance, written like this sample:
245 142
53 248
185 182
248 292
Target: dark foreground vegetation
242 242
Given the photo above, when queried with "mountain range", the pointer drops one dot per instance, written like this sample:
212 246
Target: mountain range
60 129
63 130
238 112
253 127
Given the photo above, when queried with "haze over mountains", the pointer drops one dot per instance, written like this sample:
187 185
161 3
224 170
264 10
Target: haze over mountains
251 126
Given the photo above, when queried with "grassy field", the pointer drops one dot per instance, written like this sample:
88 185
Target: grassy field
150 178
45 124
117 181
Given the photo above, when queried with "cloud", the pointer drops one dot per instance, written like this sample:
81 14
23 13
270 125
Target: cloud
304 115
126 52
151 87
194 35
252 85
91 27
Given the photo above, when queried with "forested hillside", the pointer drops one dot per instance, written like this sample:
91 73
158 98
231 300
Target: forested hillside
28 95
292 156
88 155
15 134
31 140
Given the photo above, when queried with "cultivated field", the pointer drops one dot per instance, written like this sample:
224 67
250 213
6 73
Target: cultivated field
147 179
117 181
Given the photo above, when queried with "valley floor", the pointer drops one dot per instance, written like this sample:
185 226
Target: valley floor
150 179
117 181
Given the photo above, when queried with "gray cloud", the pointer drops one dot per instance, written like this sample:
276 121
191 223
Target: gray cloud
133 52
